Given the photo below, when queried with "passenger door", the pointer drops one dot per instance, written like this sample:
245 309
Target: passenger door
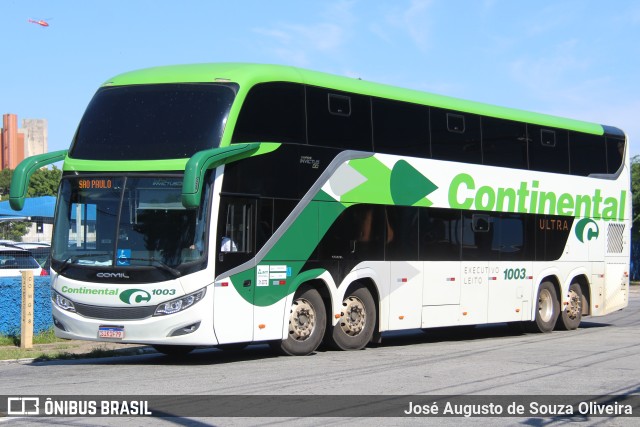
233 307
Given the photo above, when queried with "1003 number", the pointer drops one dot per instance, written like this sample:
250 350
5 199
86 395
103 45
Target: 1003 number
515 273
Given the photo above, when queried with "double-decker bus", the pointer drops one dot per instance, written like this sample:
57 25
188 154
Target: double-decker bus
225 204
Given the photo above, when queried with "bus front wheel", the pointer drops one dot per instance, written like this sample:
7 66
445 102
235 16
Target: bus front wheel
572 314
547 309
307 323
357 320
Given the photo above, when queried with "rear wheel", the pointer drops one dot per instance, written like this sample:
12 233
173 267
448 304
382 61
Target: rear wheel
307 323
357 320
547 311
572 314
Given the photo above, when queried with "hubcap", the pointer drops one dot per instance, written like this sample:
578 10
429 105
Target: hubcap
545 305
575 305
302 320
353 316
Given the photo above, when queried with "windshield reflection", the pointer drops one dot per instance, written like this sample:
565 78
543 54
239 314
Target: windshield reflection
127 222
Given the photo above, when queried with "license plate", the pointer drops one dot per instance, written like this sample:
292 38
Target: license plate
112 332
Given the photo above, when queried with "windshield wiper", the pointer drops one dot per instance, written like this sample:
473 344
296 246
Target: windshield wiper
155 262
72 259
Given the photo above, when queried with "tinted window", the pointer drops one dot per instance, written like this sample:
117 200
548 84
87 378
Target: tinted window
288 172
151 122
587 154
272 112
455 136
478 234
400 128
504 143
338 119
513 238
236 232
440 234
401 241
357 234
552 233
615 154
548 149
264 230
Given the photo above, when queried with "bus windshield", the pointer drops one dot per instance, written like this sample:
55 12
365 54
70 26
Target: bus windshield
152 122
126 222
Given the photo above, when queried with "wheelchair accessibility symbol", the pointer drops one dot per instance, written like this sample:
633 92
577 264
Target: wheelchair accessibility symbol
124 257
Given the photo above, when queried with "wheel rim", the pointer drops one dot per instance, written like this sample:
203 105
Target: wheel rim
353 316
575 305
545 305
302 320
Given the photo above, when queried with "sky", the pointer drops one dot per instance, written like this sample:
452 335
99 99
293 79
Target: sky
570 58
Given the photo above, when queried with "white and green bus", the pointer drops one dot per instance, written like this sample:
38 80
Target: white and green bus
226 204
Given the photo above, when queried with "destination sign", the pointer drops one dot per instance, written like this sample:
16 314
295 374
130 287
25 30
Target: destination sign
95 183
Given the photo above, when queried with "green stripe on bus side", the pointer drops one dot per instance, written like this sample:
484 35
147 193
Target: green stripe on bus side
402 185
293 249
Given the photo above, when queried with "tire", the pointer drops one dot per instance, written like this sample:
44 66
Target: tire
357 321
572 314
174 350
307 323
547 309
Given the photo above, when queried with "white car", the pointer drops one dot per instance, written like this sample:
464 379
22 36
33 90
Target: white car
14 260
31 245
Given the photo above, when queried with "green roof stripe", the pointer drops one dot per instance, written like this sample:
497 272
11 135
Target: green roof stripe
247 75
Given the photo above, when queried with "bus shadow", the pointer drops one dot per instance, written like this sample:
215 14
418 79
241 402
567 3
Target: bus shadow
200 356
464 333
261 351
448 334
591 325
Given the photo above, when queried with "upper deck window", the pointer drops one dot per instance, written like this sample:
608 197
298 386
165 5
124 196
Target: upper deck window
152 122
272 112
338 119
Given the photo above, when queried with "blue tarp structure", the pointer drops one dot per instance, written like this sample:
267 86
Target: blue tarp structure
35 209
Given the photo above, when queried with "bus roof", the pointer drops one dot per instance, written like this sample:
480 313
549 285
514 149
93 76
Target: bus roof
247 75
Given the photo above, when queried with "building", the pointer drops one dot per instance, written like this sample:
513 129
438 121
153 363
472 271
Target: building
18 143
15 145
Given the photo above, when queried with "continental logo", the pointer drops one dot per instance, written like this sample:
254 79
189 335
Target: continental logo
527 197
587 229
135 296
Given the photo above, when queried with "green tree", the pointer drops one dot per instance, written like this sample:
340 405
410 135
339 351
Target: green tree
44 182
13 230
635 192
5 182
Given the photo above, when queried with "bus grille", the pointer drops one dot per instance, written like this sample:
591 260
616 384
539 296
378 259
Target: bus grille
114 313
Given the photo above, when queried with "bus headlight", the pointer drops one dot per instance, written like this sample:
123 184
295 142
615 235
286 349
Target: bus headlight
179 304
62 302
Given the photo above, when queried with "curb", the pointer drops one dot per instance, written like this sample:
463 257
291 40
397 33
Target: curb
85 356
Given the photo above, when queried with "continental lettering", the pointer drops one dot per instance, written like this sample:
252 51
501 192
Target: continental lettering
89 291
527 197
